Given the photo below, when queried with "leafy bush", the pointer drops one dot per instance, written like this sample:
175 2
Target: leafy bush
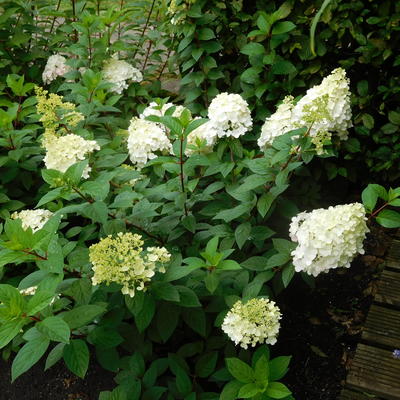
145 262
262 49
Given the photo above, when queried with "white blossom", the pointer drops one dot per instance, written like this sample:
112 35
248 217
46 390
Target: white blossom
119 73
230 114
326 106
154 109
278 123
328 238
145 138
56 66
34 219
64 151
205 135
254 322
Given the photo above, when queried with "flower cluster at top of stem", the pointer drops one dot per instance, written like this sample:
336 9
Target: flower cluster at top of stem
123 260
56 66
34 219
325 110
254 322
328 238
62 150
119 73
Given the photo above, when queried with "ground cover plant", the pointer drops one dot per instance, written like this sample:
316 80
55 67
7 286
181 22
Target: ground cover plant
153 236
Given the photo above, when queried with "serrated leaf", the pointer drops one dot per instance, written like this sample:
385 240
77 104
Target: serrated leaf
240 370
28 355
54 328
76 357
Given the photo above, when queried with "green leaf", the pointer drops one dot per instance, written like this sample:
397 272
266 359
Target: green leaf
167 320
97 212
278 367
228 265
248 390
206 364
264 203
188 298
206 34
371 194
195 319
146 314
229 214
287 274
283 27
230 390
40 300
368 121
256 263
28 355
105 337
165 291
76 357
277 390
283 246
240 370
253 49
211 281
251 75
394 117
54 356
82 315
278 259
389 219
283 68
74 173
9 330
54 328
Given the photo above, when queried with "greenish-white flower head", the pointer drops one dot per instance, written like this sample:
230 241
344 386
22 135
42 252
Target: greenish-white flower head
326 107
120 73
328 238
34 219
56 66
123 260
324 110
230 115
64 151
278 123
145 139
252 323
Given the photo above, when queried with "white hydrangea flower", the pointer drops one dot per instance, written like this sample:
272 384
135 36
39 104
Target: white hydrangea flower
154 109
254 322
230 114
145 138
278 123
328 238
326 106
205 134
34 219
64 151
123 260
56 66
119 72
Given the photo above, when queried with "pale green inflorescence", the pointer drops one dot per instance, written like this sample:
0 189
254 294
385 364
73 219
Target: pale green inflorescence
123 260
256 321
